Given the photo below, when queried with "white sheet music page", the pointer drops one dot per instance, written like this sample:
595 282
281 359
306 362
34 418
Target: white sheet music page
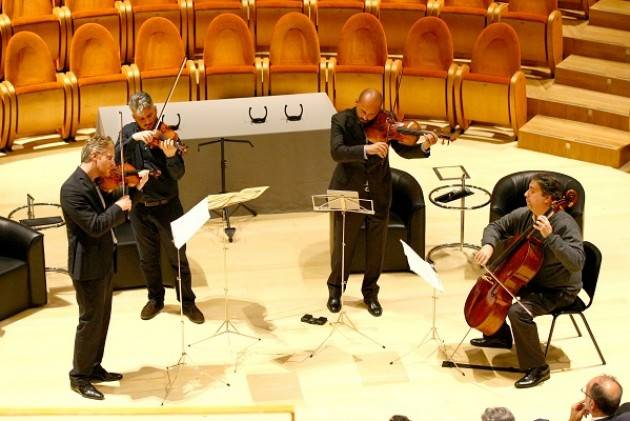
188 224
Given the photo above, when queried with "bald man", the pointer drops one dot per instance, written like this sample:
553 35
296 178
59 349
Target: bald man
363 167
601 399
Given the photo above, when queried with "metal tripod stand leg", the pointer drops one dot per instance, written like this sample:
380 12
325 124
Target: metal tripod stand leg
343 319
431 335
227 327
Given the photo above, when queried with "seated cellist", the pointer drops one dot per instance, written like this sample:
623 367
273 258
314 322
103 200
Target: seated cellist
556 284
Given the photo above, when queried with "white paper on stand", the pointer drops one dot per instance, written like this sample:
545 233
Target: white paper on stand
423 269
188 224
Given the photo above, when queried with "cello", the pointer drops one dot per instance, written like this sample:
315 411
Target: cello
490 298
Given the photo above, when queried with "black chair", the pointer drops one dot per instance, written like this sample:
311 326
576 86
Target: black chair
22 268
590 273
406 222
508 194
128 271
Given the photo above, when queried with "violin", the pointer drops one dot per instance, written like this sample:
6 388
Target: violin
490 298
385 128
163 131
122 175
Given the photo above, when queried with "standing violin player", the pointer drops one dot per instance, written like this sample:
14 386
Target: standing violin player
364 167
91 244
149 147
556 284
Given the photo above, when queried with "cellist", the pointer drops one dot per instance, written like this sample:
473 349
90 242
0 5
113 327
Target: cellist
556 284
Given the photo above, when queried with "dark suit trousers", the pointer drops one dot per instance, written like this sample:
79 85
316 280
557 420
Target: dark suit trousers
524 328
95 304
152 227
376 234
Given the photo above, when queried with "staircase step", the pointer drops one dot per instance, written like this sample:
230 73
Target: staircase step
578 104
607 76
596 41
611 14
575 140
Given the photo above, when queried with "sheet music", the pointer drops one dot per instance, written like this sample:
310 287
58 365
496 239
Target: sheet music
222 200
423 269
184 227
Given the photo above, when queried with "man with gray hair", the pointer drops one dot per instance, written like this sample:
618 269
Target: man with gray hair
498 413
91 244
602 395
156 203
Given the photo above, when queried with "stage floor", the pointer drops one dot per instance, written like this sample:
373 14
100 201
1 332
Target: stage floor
276 270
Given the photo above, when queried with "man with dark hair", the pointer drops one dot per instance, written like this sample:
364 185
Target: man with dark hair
91 243
555 285
156 205
364 167
601 399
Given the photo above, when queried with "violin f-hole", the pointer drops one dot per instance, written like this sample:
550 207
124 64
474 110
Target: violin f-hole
257 120
297 117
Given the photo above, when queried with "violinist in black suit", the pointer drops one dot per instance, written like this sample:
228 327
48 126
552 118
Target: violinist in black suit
91 254
364 167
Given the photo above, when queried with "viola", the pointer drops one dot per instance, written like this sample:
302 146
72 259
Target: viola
164 131
117 176
490 298
385 128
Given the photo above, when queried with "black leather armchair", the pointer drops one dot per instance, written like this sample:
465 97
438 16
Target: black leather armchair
406 222
22 268
508 194
128 271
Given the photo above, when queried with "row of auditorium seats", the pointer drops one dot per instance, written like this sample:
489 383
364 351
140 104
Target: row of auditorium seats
537 22
425 83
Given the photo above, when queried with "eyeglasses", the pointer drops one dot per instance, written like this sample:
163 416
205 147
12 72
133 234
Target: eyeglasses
583 390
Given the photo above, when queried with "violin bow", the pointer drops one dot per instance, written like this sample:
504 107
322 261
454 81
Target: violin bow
122 153
515 298
170 93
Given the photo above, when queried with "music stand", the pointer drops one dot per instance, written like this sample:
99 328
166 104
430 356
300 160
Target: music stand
229 230
425 271
344 202
183 229
222 202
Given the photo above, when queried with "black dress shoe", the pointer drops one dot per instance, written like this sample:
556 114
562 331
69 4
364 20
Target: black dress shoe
151 309
491 343
101 375
334 304
86 390
374 307
533 377
193 313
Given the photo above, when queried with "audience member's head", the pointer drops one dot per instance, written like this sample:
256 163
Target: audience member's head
399 418
498 413
603 394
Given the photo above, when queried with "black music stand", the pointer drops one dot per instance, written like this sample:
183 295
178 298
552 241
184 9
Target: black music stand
229 230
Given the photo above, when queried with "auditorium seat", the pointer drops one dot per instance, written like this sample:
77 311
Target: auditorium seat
294 64
229 68
538 24
38 100
175 11
361 62
493 89
113 15
465 19
158 57
97 78
40 17
426 74
330 16
202 12
397 17
266 13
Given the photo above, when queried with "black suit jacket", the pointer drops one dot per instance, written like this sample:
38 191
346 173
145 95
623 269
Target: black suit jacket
142 157
88 225
347 140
